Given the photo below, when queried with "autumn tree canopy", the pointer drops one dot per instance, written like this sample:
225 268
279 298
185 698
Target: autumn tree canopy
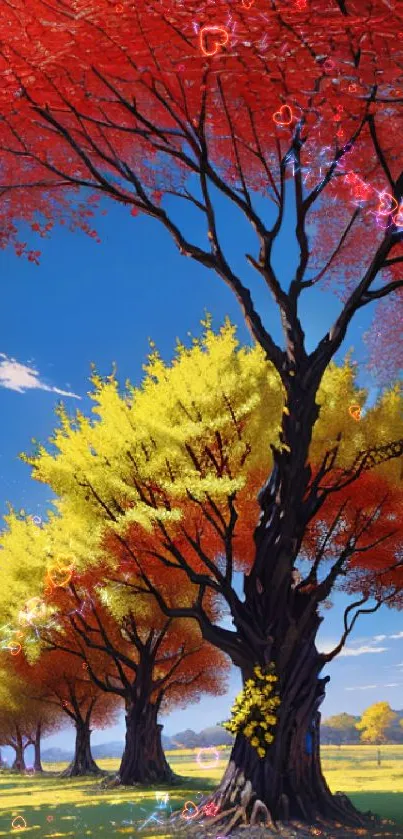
375 721
59 682
113 647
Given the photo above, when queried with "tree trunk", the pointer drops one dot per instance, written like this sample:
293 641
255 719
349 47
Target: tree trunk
287 784
19 762
37 748
83 762
143 759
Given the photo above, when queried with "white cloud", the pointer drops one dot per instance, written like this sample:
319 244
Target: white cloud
363 687
349 651
399 635
19 377
377 638
370 687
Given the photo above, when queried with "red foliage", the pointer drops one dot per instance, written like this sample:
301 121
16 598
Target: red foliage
372 513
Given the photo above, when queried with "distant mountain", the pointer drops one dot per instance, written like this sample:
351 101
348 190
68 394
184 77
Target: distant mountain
55 755
215 735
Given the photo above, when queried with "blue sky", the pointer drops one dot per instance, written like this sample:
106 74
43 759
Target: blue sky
100 303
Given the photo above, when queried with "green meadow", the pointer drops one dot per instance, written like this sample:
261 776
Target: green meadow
52 807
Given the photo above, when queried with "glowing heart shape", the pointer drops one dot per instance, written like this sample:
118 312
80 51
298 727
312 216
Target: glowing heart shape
18 823
355 412
49 818
186 809
59 575
212 38
398 218
384 208
283 116
15 648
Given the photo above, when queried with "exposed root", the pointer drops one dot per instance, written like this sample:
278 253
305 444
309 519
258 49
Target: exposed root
220 817
302 807
285 807
246 794
259 808
234 821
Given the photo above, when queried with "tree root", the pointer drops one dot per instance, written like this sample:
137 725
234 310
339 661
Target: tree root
260 808
285 807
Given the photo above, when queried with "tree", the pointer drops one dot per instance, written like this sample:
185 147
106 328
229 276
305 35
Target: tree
375 721
126 103
169 472
22 721
57 682
343 727
130 651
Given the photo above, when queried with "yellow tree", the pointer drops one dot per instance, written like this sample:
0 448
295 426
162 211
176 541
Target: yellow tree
375 721
194 437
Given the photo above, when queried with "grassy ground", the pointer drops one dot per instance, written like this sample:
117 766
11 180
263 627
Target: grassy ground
54 808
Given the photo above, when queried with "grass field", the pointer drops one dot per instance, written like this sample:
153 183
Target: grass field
53 808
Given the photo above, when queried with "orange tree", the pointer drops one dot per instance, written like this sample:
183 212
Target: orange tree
112 648
58 682
166 481
142 102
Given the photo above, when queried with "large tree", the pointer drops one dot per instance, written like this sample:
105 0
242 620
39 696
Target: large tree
138 103
168 475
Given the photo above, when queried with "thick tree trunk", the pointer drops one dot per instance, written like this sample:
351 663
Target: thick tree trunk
37 749
143 759
83 762
287 783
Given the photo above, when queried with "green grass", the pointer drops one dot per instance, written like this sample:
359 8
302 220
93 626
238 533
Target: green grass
56 808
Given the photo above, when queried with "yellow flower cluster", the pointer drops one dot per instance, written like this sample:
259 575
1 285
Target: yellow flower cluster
254 710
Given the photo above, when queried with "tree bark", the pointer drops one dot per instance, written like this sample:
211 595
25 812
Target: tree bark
287 783
83 762
143 759
19 762
37 749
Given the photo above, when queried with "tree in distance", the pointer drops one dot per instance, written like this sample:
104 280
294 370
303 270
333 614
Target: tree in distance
375 722
343 727
23 722
59 682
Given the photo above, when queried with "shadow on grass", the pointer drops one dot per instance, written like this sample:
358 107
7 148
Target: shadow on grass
387 805
121 811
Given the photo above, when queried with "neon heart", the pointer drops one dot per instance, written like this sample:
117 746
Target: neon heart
212 38
283 116
18 823
59 576
398 218
187 810
384 208
355 412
